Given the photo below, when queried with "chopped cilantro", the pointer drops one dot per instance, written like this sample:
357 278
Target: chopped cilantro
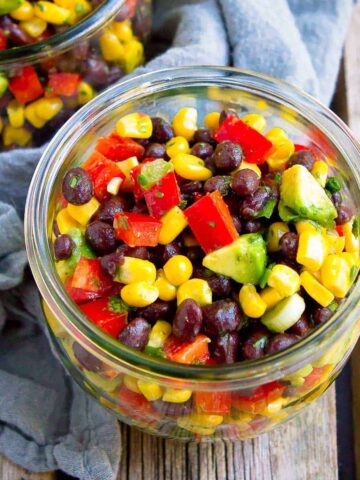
79 8
154 351
356 226
40 6
159 194
260 343
117 304
212 224
333 306
74 181
333 184
142 180
182 204
353 273
267 209
49 89
122 222
277 178
264 279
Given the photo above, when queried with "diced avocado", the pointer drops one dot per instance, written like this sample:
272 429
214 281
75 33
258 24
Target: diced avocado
302 197
285 314
7 6
65 268
244 260
152 172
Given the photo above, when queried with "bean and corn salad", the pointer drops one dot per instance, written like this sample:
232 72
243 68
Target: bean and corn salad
209 245
35 99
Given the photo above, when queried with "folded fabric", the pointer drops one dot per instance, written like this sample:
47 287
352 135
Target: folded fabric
46 421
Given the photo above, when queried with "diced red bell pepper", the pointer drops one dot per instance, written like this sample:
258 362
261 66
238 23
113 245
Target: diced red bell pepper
3 39
211 223
117 148
136 229
259 399
135 406
255 146
185 352
95 163
26 85
78 294
314 379
107 314
138 191
131 8
89 276
340 230
63 84
163 195
299 147
107 173
213 403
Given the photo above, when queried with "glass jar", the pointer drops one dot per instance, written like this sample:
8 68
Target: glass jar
43 83
190 402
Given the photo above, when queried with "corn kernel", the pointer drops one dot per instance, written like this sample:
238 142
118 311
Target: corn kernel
112 49
24 12
15 136
352 258
85 93
335 275
320 172
184 123
190 167
34 27
32 117
307 226
15 111
114 185
133 55
151 391
182 422
270 296
173 223
284 279
276 231
251 302
283 150
139 294
123 30
131 383
47 108
197 289
201 420
126 166
159 333
273 407
262 104
135 125
83 213
212 120
134 270
250 166
167 291
178 269
298 378
177 145
51 13
351 242
311 250
335 243
65 221
255 121
313 287
276 135
176 396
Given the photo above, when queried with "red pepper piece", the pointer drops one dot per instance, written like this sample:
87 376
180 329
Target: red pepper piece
213 403
26 85
78 294
314 379
255 146
259 398
340 230
185 352
107 314
95 163
138 192
136 229
63 84
211 223
134 405
107 173
3 39
163 195
88 276
117 148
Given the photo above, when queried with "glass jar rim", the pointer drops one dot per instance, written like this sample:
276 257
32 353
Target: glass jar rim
61 42
39 252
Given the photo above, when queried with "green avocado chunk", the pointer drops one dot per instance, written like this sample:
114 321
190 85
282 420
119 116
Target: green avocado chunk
7 6
301 197
244 260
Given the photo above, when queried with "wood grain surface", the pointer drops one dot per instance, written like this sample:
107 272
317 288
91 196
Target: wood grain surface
9 471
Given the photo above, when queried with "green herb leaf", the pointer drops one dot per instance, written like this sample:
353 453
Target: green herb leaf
182 204
277 178
154 351
334 184
267 209
356 226
74 181
212 224
264 279
142 180
333 306
79 8
353 273
159 194
260 343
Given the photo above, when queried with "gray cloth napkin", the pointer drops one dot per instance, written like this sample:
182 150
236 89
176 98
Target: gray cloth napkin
46 421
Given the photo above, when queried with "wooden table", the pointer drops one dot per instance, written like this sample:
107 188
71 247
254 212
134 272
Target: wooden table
303 449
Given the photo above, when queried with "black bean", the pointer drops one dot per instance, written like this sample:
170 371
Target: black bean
280 342
302 157
63 247
108 209
170 409
218 182
224 348
101 237
227 156
202 150
194 254
115 73
191 186
188 320
254 345
86 359
140 207
227 113
301 327
109 263
203 135
289 244
158 310
273 187
336 199
210 164
77 186
344 215
155 150
95 70
56 229
136 333
220 285
321 315
135 252
251 206
237 223
232 203
81 50
252 226
161 254
14 32
222 316
245 182
162 130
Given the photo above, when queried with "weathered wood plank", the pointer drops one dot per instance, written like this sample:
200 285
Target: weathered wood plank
9 471
304 448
